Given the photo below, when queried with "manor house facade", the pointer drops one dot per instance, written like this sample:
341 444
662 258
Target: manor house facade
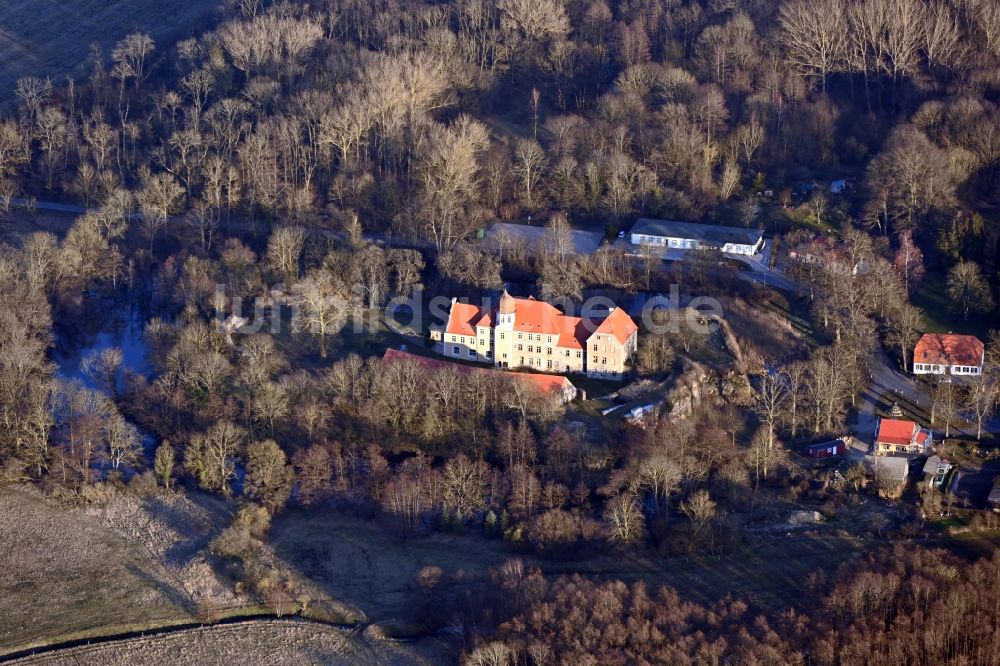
527 333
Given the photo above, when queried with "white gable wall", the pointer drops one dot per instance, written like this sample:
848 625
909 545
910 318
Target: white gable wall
690 244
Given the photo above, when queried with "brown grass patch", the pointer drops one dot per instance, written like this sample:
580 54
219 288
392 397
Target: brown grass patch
67 572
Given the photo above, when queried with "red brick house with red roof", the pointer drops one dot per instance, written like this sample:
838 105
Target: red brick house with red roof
939 353
528 333
899 436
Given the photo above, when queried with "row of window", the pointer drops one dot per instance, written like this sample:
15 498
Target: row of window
957 369
548 350
537 363
457 351
538 337
472 340
672 242
531 348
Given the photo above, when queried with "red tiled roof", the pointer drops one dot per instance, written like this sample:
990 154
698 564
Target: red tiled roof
463 319
895 431
545 383
941 349
618 324
531 316
539 317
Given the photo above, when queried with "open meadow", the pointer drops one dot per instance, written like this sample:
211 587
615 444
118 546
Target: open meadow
70 573
135 565
362 565
52 37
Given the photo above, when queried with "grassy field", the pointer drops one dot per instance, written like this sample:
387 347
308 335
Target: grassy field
362 564
62 573
364 333
52 37
17 224
939 315
256 642
136 565
68 573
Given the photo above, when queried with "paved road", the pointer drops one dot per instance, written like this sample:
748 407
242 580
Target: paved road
889 385
769 277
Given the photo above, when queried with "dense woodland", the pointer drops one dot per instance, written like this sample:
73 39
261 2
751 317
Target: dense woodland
907 607
269 154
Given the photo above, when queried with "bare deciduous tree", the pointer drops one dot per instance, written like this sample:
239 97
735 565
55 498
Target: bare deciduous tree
623 519
968 289
322 305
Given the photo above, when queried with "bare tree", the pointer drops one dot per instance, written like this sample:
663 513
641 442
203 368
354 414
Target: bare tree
269 476
449 176
909 261
129 57
531 21
34 93
729 180
700 510
770 400
322 305
910 175
764 457
104 367
623 519
163 463
124 441
370 272
14 149
211 457
903 325
968 289
944 43
981 398
284 252
529 165
158 199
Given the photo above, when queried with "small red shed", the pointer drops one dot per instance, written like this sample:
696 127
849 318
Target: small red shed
827 449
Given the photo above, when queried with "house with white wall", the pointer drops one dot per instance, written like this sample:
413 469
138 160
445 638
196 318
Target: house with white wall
693 236
939 354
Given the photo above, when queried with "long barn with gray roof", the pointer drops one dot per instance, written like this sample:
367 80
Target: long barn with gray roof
692 236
